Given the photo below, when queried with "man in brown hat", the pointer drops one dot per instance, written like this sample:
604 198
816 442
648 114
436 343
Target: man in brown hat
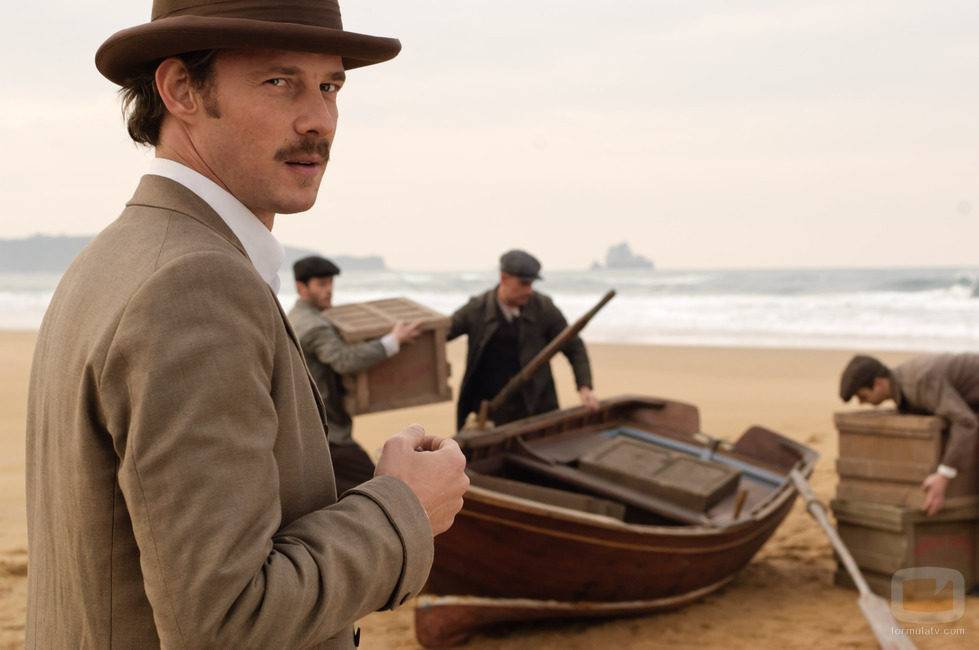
506 327
179 487
939 384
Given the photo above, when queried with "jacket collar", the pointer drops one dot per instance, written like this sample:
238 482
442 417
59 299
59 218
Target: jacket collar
491 311
304 307
896 393
262 248
160 192
156 191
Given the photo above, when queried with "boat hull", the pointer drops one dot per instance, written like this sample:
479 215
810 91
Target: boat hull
510 548
509 557
446 621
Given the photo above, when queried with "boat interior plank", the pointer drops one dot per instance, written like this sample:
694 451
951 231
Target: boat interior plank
607 488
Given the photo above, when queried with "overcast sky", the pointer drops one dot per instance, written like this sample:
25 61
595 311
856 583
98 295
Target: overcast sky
723 133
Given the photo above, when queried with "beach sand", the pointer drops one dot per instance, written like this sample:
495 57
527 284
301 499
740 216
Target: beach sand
784 598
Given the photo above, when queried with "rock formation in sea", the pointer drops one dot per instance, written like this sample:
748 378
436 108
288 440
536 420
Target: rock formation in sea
620 256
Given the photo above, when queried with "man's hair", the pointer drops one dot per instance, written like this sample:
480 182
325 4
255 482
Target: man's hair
314 266
142 106
861 373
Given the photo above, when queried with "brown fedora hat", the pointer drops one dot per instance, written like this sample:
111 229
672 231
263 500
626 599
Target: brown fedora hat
179 26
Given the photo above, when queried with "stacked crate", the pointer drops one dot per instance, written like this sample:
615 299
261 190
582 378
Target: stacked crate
884 457
418 374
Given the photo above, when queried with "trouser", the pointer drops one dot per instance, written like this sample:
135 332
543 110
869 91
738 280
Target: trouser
351 466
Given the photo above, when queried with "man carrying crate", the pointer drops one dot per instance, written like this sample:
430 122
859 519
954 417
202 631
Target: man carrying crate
329 356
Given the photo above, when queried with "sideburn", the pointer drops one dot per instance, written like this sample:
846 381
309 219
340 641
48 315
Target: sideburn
210 102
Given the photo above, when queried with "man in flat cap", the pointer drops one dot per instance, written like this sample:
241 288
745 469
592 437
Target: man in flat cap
179 486
329 356
938 384
506 327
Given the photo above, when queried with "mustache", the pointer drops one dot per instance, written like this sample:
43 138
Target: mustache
307 146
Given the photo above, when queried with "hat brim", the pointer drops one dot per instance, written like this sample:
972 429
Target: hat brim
131 52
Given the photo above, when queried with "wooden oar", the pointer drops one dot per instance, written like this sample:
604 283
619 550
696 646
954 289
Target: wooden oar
875 609
539 359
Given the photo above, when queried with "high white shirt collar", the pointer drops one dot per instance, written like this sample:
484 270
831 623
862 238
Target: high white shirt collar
263 249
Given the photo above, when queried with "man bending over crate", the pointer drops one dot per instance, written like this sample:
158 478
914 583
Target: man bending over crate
946 385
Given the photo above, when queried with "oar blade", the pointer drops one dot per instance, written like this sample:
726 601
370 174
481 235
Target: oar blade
890 635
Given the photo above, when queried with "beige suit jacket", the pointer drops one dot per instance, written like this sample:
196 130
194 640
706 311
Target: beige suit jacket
945 385
179 486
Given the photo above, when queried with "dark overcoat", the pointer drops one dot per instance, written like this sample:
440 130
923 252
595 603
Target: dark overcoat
540 321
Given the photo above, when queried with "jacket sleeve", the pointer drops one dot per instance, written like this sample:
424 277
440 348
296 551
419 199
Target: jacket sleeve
460 321
938 396
577 354
327 345
195 384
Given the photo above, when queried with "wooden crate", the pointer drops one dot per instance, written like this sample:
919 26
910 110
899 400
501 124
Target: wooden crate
418 374
885 455
678 478
884 539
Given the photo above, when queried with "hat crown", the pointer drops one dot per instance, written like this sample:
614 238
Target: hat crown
321 13
180 26
521 264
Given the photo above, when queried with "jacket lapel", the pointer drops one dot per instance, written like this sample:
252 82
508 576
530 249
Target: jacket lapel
309 376
160 192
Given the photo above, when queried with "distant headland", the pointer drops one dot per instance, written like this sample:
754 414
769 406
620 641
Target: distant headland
621 256
53 254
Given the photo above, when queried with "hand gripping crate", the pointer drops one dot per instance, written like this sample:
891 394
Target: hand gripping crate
885 455
418 374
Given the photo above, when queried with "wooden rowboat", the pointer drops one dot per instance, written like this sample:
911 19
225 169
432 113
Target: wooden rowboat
624 510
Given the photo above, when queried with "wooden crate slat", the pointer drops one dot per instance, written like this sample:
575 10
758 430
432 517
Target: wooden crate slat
886 538
417 375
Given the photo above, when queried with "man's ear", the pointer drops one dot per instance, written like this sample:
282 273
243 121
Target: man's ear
176 90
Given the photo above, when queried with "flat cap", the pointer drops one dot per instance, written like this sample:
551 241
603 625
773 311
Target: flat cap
314 266
521 264
860 373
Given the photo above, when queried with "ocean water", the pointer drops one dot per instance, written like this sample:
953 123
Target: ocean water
865 309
